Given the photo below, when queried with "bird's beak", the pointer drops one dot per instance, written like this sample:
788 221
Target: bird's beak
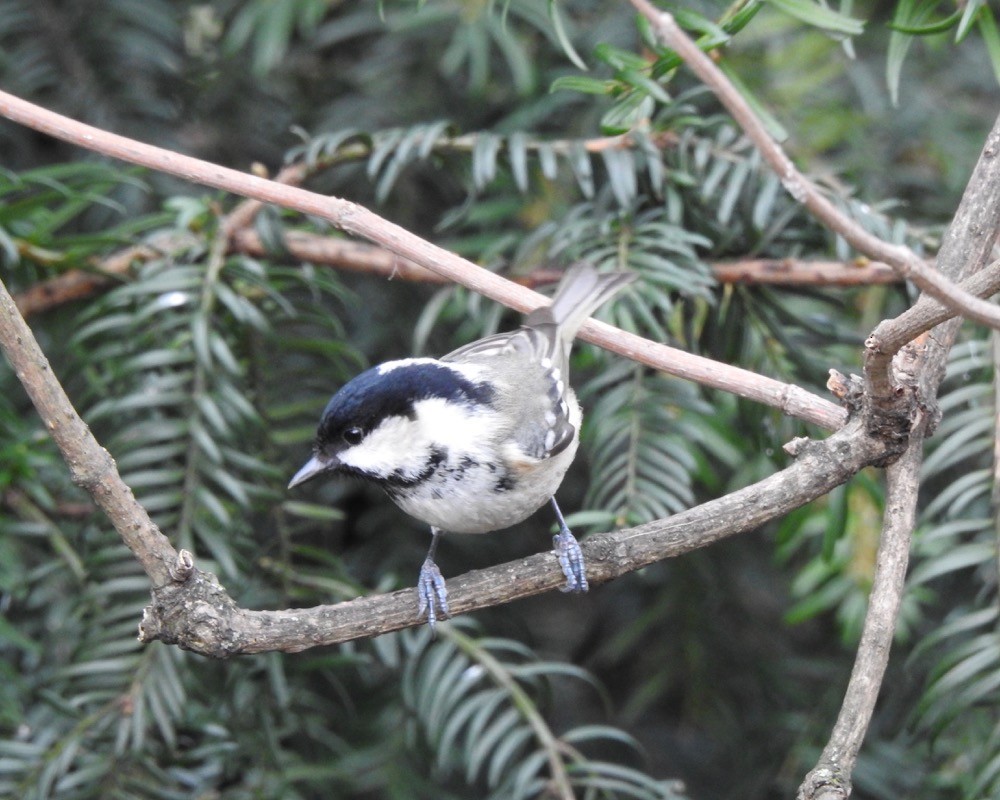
313 467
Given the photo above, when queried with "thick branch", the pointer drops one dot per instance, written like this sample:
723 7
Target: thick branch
916 373
359 221
192 610
199 615
900 258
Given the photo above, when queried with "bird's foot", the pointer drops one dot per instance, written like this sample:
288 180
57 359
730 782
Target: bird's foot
567 550
432 595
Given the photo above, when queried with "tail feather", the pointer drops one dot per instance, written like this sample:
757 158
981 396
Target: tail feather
581 292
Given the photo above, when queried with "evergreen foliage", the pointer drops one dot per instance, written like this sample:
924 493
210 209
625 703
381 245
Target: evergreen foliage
203 370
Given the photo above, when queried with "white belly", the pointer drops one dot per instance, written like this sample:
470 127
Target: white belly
480 497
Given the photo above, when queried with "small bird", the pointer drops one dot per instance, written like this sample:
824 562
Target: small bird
475 441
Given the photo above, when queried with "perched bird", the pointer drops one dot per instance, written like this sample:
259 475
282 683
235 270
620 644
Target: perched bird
475 441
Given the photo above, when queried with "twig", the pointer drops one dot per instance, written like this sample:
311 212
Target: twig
356 220
361 257
78 284
903 370
900 258
796 272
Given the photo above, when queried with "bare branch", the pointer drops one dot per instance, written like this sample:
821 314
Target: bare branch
356 220
90 465
796 272
830 779
199 615
369 259
190 608
902 370
900 258
967 246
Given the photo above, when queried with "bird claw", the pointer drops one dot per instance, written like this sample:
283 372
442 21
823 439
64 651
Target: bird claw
432 595
567 550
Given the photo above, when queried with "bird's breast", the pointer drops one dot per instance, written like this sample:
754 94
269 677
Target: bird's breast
477 494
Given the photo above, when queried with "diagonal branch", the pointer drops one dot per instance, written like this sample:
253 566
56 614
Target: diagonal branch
90 465
900 258
199 615
967 246
359 221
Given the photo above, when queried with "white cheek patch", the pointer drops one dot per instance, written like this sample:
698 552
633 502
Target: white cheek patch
393 445
403 446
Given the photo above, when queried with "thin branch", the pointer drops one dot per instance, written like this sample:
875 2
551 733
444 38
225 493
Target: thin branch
90 465
900 258
967 246
78 284
830 779
797 272
358 221
360 257
369 259
904 364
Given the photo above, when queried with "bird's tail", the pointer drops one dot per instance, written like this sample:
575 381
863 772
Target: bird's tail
581 292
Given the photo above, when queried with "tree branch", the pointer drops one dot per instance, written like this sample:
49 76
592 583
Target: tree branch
906 263
967 246
904 366
369 259
358 221
830 779
192 610
198 615
90 465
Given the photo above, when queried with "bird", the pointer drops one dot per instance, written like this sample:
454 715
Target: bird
475 441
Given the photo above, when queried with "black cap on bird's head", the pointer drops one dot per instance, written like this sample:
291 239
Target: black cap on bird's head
389 390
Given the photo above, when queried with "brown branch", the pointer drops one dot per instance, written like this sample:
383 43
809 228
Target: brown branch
189 606
358 221
910 381
904 366
90 465
365 258
967 246
199 615
796 272
78 284
830 779
900 258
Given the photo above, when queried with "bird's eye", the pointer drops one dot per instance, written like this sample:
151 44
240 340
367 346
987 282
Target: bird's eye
353 436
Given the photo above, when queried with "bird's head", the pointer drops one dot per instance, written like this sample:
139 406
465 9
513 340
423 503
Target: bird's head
393 422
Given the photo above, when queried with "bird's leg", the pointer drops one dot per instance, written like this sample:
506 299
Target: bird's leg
567 550
432 596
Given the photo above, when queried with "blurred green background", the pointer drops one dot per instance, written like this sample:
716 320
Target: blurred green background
204 366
